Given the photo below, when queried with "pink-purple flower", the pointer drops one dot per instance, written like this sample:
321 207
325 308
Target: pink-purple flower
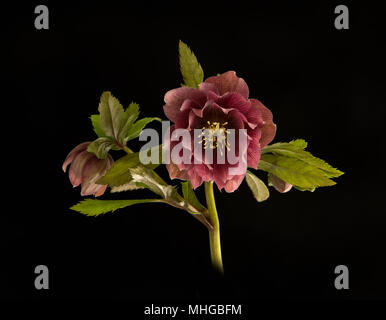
220 103
86 169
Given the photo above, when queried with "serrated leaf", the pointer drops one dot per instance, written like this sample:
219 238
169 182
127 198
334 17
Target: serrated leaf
294 171
294 149
111 113
135 130
94 207
302 189
132 185
95 120
147 178
191 70
119 173
129 117
258 187
100 147
136 176
190 197
300 143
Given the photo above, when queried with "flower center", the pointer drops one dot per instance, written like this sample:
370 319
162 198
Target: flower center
214 135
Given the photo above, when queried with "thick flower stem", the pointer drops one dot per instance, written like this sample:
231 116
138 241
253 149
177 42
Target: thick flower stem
214 234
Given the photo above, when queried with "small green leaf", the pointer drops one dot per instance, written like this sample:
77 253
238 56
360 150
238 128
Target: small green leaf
129 117
135 130
190 197
300 143
132 185
97 126
119 173
302 189
258 187
147 178
94 207
100 147
191 70
111 113
294 171
294 149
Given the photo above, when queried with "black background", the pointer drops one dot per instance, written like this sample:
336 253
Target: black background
322 84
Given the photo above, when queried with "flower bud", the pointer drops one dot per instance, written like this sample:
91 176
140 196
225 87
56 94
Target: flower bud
86 169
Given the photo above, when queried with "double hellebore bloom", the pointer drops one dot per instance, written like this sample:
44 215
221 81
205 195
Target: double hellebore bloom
220 105
86 169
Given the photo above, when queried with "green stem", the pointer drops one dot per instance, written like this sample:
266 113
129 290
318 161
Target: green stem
214 233
203 217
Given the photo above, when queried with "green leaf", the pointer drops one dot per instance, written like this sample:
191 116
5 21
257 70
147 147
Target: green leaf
94 207
129 116
191 70
95 120
119 172
302 189
132 185
190 197
111 113
294 149
147 178
300 143
294 171
128 174
258 187
100 147
135 130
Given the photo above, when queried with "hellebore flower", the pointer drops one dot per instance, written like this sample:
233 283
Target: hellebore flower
86 169
221 103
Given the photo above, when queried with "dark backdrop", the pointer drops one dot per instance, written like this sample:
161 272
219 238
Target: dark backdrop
321 84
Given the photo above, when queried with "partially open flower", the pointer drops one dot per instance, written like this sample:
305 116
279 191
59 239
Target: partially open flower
86 169
220 104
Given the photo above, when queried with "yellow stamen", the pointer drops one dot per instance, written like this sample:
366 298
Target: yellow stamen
215 135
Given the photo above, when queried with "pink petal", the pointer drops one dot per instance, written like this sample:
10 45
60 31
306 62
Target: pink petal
213 112
234 183
89 189
182 121
73 153
93 167
203 171
236 120
171 112
229 82
254 115
253 154
195 121
234 100
198 112
268 132
188 105
195 179
76 168
208 88
176 97
279 184
268 129
101 191
220 175
176 173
